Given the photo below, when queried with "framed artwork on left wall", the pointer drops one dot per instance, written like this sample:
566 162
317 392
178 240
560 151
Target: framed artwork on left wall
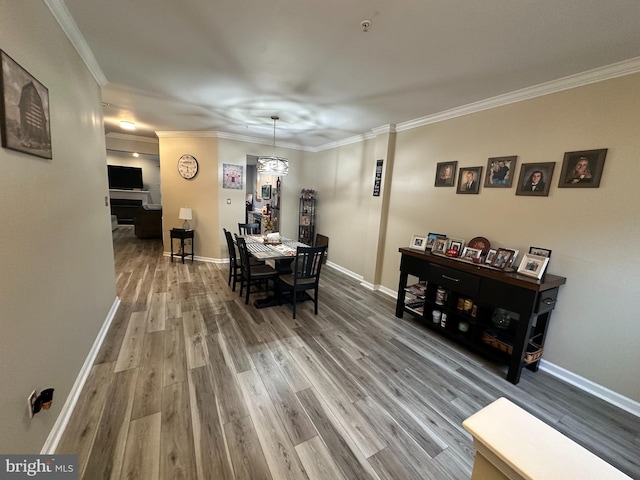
24 110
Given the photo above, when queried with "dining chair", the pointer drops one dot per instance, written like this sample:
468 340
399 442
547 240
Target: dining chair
248 228
320 241
234 266
251 274
305 274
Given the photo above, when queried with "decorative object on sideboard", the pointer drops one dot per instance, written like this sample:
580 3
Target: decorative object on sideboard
432 237
543 252
185 214
418 242
533 265
24 110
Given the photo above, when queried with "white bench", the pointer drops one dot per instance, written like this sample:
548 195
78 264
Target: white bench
512 444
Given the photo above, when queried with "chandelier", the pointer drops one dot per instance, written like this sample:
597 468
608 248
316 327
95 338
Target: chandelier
272 165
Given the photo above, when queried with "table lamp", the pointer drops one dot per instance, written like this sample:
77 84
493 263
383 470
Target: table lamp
186 215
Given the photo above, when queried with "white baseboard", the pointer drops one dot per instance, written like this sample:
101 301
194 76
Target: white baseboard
348 273
62 421
593 388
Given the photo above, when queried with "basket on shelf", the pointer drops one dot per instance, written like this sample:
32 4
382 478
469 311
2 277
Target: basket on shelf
491 338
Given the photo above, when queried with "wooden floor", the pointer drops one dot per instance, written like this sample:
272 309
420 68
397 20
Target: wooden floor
192 384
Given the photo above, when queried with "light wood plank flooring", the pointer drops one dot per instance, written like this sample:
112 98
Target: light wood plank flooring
192 384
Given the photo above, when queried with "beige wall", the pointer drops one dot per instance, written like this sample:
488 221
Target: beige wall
594 331
57 283
205 195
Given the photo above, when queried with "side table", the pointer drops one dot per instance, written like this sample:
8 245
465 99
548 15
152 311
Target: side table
182 235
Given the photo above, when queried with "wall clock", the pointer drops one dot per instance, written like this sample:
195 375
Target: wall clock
188 166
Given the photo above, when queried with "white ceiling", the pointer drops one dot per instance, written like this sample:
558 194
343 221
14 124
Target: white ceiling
229 65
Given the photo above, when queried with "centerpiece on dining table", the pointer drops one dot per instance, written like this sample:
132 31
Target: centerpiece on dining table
272 239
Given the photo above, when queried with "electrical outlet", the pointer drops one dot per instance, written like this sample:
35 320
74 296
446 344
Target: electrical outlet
31 401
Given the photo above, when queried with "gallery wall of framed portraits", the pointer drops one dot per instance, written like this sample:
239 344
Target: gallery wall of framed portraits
579 169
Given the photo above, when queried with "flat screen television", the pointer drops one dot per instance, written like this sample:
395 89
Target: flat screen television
125 178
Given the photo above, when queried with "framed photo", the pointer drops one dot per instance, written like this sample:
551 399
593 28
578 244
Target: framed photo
469 180
514 257
24 110
502 258
266 192
533 265
500 172
232 176
582 169
491 255
541 252
440 246
472 254
418 243
446 174
455 247
535 179
432 237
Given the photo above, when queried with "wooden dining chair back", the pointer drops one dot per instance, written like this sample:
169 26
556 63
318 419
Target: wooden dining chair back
251 274
305 275
234 265
321 241
248 228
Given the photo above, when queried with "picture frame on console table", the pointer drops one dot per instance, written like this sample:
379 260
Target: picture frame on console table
502 258
533 265
418 242
543 252
432 237
440 246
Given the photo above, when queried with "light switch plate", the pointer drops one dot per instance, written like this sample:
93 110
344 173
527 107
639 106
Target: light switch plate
31 401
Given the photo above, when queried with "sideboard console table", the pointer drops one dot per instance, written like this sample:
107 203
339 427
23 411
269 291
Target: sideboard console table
501 315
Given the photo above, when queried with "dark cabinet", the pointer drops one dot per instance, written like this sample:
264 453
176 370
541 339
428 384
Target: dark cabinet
503 316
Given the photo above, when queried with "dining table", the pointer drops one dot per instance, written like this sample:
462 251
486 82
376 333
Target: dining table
279 250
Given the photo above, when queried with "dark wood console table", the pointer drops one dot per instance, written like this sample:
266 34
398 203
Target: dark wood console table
182 235
529 303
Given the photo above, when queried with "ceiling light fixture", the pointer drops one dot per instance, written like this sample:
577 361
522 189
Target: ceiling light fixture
125 125
273 165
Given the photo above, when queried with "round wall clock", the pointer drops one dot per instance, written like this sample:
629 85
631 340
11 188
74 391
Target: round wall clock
188 166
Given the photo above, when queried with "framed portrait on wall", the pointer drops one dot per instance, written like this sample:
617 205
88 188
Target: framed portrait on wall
469 180
446 174
535 179
500 172
266 192
582 169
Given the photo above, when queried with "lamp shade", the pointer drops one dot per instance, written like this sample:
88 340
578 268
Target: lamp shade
185 214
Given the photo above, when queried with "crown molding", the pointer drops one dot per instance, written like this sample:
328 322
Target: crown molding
68 25
615 70
229 136
132 138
